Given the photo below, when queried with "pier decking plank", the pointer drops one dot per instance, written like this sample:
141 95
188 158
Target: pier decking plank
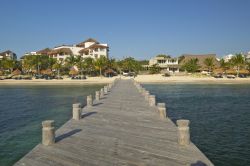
121 129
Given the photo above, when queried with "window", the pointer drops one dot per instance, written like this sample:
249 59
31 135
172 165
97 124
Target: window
96 49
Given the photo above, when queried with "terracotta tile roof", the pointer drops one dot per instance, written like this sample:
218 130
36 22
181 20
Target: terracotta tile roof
6 52
92 47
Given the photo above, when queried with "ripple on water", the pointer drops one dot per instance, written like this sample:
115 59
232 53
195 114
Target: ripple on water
24 107
219 115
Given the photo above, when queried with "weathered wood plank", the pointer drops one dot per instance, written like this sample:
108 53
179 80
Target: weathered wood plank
120 129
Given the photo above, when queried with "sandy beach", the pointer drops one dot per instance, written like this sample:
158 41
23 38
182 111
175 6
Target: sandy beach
147 79
158 78
66 81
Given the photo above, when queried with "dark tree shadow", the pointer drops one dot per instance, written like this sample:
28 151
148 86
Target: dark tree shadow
198 163
88 114
68 134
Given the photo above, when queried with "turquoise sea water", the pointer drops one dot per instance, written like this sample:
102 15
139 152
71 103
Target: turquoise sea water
23 108
219 115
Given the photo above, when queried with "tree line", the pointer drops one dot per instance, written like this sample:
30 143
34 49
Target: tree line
36 64
237 63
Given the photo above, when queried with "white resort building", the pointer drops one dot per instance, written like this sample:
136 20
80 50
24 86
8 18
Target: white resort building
165 63
248 57
89 48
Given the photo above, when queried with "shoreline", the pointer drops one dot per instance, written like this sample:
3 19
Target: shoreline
144 79
89 81
158 79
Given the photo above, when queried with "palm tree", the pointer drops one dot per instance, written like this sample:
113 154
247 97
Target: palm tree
191 65
70 61
8 64
89 64
50 62
248 66
27 64
100 63
209 62
238 61
80 63
112 64
57 66
130 64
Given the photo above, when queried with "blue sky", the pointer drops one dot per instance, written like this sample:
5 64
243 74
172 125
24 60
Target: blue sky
138 28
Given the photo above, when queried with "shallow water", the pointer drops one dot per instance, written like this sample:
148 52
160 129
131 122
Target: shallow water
219 115
23 108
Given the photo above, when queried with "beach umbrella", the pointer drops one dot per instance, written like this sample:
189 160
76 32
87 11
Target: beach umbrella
73 72
244 71
1 72
218 71
16 72
231 71
109 71
47 72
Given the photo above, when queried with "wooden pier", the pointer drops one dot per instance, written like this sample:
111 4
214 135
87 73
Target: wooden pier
123 128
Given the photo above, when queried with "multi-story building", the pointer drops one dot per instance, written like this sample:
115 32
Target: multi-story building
165 63
248 57
88 48
8 55
92 48
228 57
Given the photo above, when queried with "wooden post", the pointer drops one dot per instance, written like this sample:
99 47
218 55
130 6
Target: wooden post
160 105
183 132
101 93
48 132
97 95
162 112
105 90
76 111
151 100
108 89
110 86
146 94
89 101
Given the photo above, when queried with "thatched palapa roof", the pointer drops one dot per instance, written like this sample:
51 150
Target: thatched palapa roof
82 44
44 51
201 59
218 71
16 72
73 71
85 50
65 51
48 72
109 71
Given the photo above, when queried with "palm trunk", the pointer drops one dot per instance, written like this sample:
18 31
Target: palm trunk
100 72
238 71
38 70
